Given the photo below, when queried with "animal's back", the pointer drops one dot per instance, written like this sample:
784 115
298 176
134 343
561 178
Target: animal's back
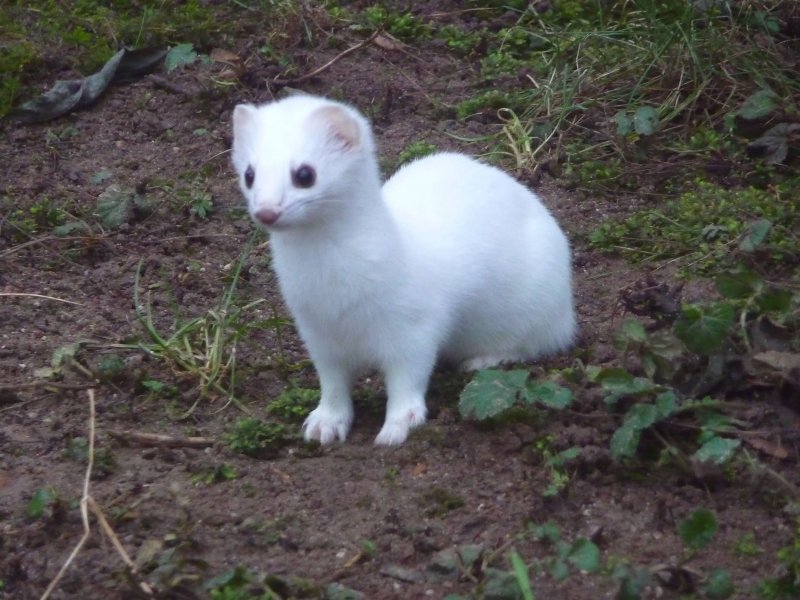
491 249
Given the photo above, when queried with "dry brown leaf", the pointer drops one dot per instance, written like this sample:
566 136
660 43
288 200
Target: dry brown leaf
419 470
387 42
225 56
766 447
785 363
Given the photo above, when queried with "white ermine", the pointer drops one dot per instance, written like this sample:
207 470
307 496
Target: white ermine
450 259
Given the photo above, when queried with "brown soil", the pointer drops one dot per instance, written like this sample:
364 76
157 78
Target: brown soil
305 513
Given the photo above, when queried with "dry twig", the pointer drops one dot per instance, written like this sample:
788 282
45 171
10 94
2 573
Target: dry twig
7 387
160 440
329 64
88 502
40 296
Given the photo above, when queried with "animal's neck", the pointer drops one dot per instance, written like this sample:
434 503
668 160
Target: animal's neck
362 229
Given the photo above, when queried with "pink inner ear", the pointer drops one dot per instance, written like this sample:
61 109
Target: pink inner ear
243 116
341 125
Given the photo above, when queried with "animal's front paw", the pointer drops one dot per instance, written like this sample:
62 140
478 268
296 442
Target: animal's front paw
395 430
325 425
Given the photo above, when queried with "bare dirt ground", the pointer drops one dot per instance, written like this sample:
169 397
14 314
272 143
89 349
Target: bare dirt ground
372 519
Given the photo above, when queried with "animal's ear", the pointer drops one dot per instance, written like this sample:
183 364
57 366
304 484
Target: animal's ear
343 129
244 115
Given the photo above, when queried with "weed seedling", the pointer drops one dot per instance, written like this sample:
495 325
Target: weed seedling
294 403
256 438
204 347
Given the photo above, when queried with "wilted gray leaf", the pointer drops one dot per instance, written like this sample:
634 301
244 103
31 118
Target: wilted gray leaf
773 146
66 96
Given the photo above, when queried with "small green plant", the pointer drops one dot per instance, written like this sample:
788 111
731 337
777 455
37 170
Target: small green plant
404 26
104 462
41 216
440 501
786 585
581 554
493 391
460 41
15 57
294 403
415 150
45 505
489 101
556 465
216 474
256 438
204 347
709 227
696 532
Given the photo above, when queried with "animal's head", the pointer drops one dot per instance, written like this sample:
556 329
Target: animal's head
299 159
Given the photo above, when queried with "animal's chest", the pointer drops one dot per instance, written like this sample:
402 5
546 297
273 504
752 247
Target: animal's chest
336 302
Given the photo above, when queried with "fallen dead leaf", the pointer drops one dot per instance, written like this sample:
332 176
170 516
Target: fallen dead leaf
387 42
225 56
766 447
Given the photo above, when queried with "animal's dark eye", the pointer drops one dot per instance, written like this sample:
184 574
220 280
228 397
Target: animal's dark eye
249 176
304 176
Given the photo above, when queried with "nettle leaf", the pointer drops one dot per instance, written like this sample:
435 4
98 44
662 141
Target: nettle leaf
773 146
632 582
645 120
758 105
660 357
703 328
41 504
500 584
633 330
666 404
548 531
178 56
699 529
619 383
64 355
548 393
755 235
101 176
625 441
559 570
717 450
718 585
639 417
739 284
71 228
491 392
624 123
585 556
778 301
118 205
114 206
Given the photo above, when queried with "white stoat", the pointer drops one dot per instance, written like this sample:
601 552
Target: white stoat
449 259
